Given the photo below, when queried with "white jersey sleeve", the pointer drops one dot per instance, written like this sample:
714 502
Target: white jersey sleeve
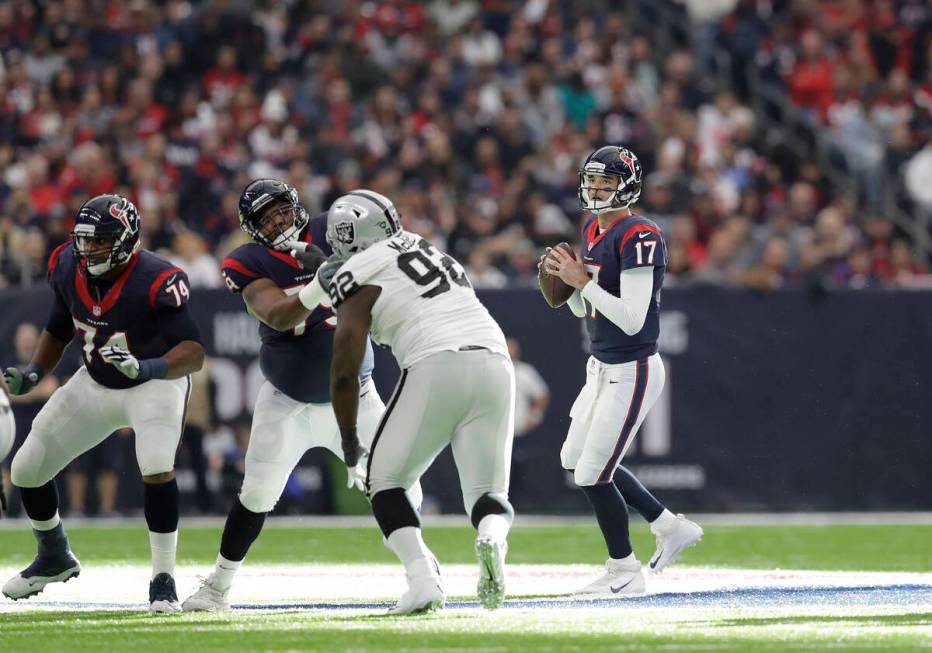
427 304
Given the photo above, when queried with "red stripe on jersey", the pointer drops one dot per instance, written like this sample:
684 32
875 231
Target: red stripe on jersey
233 264
284 257
53 259
154 288
636 229
112 296
594 237
308 238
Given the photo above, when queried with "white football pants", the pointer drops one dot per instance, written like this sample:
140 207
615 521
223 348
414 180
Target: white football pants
82 413
460 398
7 426
283 429
607 414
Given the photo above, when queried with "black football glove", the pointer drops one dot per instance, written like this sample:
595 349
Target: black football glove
310 257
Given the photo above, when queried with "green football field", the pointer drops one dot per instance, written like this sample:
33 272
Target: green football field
767 588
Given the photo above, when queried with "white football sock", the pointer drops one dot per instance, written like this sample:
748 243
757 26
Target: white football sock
409 546
495 527
224 573
628 559
163 546
665 522
47 524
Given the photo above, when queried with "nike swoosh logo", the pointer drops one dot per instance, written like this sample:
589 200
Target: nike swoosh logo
611 382
615 590
171 278
653 563
644 234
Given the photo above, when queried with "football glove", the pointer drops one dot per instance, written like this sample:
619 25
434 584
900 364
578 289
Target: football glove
356 475
20 381
309 256
328 271
121 359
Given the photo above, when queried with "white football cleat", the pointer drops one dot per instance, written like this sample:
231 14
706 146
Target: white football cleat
43 571
424 591
207 598
619 579
491 587
672 541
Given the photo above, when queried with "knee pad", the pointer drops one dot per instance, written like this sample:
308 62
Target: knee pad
393 510
257 498
491 504
26 470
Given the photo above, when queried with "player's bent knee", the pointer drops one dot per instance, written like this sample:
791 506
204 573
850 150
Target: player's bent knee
256 499
491 504
26 470
393 510
586 476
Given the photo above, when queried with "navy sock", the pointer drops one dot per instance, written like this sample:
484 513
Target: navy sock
392 511
161 506
240 531
636 495
40 503
612 515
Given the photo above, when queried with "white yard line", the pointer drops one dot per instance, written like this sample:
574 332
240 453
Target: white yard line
125 586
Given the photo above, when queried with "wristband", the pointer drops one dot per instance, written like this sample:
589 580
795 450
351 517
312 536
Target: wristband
32 368
312 294
350 443
152 368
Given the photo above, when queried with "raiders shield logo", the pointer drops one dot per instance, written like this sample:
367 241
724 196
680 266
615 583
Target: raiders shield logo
346 232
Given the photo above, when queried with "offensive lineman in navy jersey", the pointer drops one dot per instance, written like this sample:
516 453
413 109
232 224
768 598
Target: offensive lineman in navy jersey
618 285
293 411
128 311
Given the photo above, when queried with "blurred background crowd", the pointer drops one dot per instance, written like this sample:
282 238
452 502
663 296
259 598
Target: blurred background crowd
474 116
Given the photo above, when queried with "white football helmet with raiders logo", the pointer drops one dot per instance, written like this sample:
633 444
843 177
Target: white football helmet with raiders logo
358 220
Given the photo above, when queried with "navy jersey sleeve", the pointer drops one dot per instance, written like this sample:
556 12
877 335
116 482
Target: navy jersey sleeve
59 323
642 246
170 289
176 325
239 271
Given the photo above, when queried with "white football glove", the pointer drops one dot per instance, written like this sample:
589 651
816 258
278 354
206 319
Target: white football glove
357 475
121 359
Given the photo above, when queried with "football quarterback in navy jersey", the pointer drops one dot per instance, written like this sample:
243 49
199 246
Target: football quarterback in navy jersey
127 309
618 281
293 411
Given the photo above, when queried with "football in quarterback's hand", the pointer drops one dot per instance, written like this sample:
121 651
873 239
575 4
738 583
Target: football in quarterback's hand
552 287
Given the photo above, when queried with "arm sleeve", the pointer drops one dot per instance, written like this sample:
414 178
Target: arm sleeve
59 323
176 325
577 304
629 310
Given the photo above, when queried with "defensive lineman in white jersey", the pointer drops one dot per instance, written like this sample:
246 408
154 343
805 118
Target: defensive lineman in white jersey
456 387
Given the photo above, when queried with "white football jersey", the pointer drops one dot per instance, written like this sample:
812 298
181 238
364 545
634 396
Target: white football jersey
426 305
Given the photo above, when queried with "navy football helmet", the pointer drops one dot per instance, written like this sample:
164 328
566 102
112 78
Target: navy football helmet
276 229
619 165
106 233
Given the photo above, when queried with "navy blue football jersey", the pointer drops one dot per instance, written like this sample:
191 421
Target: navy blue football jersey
297 362
632 242
139 310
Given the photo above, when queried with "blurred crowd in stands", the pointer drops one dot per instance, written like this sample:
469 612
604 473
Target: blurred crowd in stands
474 118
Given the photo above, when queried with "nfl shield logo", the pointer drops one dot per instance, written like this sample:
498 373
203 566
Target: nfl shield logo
96 311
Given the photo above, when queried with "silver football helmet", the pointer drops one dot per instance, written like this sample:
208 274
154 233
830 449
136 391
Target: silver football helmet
358 220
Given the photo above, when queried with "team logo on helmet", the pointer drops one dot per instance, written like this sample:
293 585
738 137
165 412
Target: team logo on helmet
345 232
